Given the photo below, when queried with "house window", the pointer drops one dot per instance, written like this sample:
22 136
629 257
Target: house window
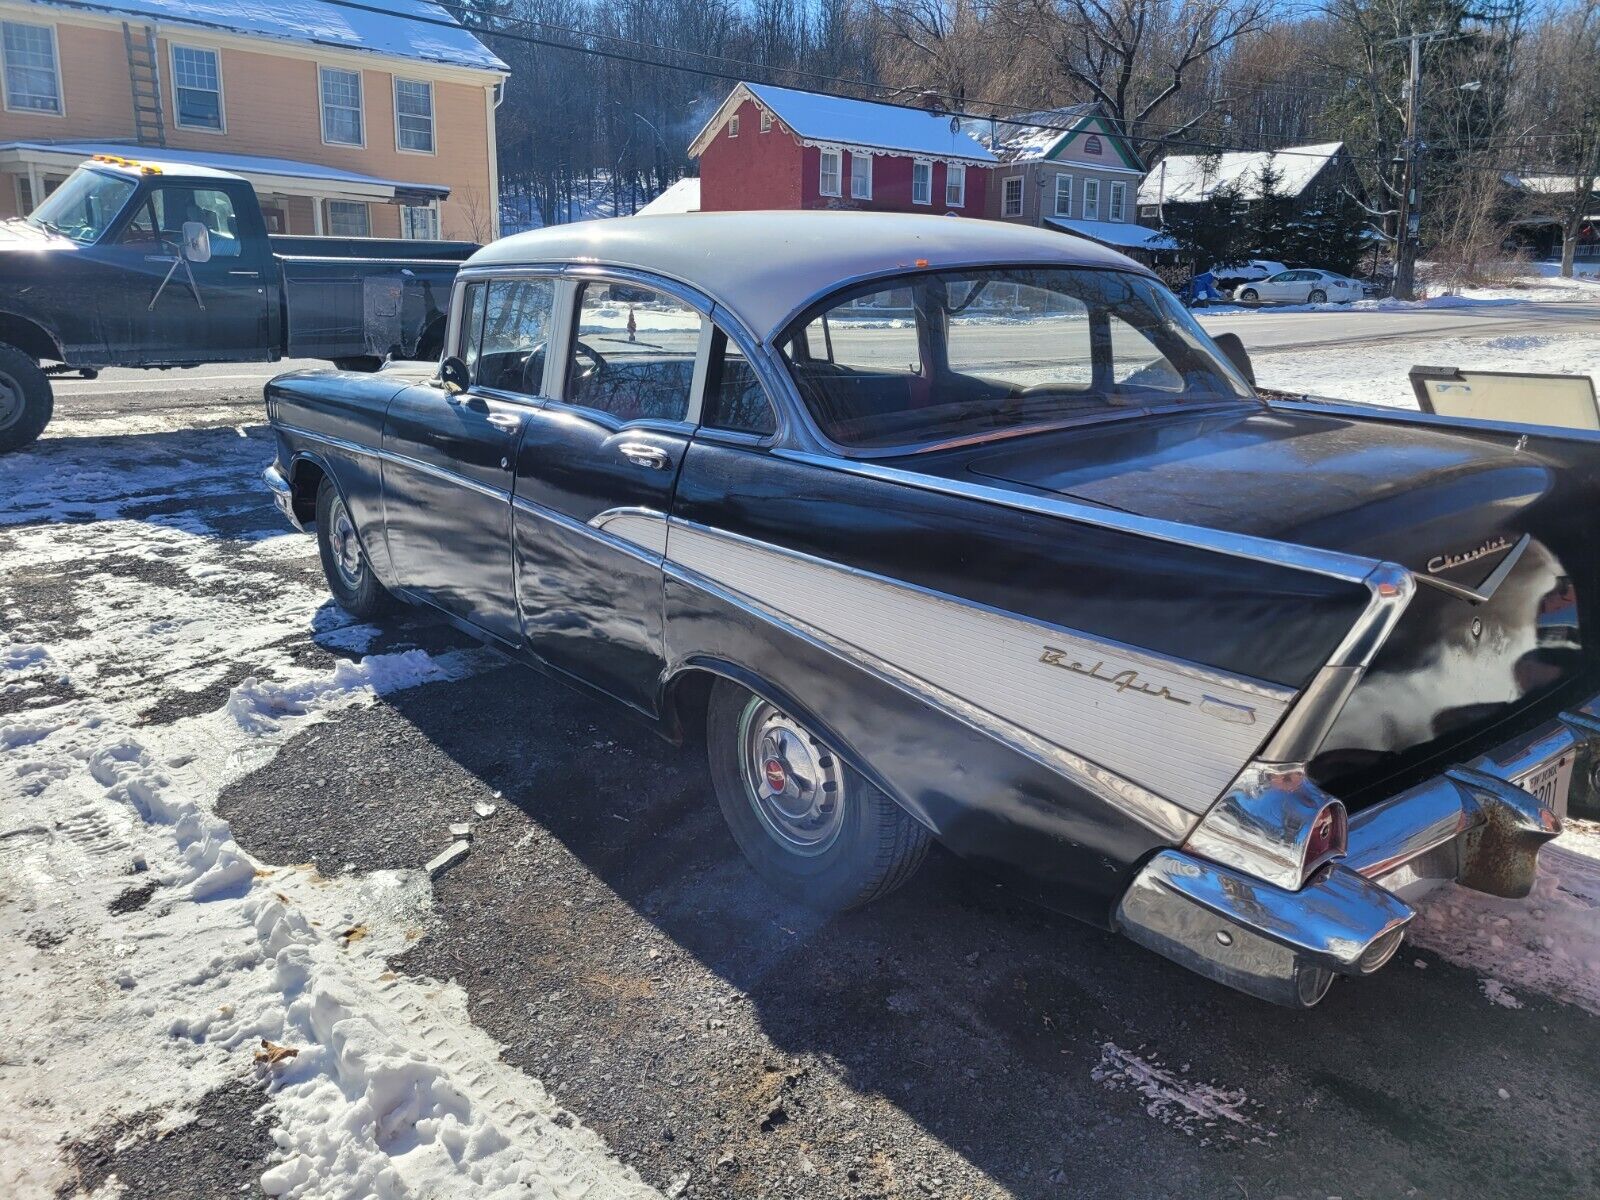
1011 197
860 176
955 185
733 125
348 218
413 115
1091 144
828 173
1063 195
419 221
1091 199
921 182
766 121
341 106
33 84
24 195
1119 205
196 88
1149 210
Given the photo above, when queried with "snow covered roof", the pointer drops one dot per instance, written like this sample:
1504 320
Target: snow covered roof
1029 137
1187 179
680 197
1545 185
764 267
315 23
1122 234
835 121
261 171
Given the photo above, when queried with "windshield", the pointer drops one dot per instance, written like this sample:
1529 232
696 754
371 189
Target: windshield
930 357
84 205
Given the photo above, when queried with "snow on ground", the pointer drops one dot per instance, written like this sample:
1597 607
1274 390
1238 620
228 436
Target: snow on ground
1549 942
1377 372
1539 282
149 958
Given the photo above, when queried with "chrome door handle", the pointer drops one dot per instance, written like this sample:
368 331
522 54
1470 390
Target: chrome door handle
641 454
507 421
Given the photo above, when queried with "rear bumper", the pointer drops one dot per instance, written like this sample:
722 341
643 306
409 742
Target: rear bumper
1470 826
282 494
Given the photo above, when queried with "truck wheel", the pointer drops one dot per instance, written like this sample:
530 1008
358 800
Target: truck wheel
365 364
808 823
26 400
354 586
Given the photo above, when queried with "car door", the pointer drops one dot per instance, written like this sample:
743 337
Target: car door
595 478
171 309
449 461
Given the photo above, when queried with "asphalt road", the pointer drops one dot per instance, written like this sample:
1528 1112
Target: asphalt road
949 1041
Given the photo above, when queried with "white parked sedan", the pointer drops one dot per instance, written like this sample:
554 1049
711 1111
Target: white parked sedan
1303 286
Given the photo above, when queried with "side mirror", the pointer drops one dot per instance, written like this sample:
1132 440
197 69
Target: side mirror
1233 350
196 242
454 375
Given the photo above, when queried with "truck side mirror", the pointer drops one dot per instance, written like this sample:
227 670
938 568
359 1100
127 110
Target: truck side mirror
1233 350
196 242
453 374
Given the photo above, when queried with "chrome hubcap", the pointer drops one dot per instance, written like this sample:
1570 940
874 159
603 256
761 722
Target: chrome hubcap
793 782
10 401
346 546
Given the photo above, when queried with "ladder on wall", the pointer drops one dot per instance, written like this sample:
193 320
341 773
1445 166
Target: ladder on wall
144 75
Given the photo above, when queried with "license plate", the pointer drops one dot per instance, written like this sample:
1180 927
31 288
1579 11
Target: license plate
1548 784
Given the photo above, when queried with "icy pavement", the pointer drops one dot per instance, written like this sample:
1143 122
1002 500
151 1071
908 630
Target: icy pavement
149 958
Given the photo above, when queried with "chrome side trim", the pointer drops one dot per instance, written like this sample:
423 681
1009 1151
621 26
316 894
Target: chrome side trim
1166 819
1066 687
1334 564
328 439
399 460
644 527
572 525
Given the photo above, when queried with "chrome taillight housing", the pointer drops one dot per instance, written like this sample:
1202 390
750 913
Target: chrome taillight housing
1328 836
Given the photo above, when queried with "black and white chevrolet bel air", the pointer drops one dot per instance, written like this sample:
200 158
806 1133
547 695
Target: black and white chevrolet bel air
951 529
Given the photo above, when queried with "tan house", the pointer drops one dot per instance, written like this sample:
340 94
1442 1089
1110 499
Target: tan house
348 122
1068 169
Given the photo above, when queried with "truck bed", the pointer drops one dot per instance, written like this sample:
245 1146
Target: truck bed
295 246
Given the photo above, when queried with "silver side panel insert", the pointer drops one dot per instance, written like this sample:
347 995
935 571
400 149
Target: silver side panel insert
1177 729
644 527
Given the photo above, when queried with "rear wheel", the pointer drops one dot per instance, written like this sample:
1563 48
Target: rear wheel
350 577
1249 295
808 823
365 364
1318 296
26 400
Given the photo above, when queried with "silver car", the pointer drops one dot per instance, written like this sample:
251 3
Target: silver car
1302 286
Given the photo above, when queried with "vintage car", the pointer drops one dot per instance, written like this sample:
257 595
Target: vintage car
952 529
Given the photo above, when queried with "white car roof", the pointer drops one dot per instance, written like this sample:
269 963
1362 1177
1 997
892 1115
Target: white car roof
765 266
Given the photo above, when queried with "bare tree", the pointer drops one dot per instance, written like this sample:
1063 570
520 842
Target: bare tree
1567 90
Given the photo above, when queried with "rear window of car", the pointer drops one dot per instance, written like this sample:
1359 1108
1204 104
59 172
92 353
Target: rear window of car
943 355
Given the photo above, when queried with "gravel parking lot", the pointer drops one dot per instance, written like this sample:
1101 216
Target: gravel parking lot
688 1032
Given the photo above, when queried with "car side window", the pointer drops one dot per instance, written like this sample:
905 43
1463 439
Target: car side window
735 399
513 334
157 224
633 352
472 305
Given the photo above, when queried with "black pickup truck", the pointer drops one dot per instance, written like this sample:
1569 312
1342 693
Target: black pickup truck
151 264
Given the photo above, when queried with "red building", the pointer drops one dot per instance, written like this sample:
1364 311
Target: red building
770 147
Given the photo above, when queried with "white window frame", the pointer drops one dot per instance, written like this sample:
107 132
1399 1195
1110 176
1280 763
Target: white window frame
55 62
433 115
860 176
361 204
1063 210
1005 196
823 157
1117 203
924 165
432 208
955 185
766 121
1091 199
360 108
172 69
733 126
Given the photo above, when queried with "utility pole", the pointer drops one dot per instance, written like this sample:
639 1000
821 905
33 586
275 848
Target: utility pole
1410 222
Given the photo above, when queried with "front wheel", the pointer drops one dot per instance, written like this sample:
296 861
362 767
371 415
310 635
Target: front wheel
26 399
807 823
350 577
1249 295
1318 296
